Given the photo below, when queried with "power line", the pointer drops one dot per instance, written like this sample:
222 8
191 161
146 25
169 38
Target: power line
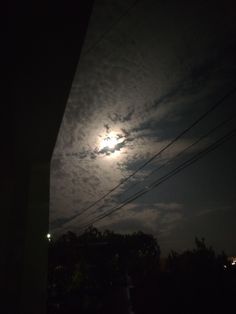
218 126
146 189
111 27
164 178
204 136
181 134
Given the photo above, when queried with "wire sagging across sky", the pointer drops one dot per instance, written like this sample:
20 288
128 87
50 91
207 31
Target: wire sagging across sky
156 155
201 138
164 178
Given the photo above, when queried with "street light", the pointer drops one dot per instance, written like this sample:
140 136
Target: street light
49 237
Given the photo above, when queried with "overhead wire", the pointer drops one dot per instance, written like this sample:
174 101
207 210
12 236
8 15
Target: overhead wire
164 148
204 136
158 154
113 25
158 182
136 194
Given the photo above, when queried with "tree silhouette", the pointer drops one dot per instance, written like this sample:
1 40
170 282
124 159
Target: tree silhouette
96 263
94 272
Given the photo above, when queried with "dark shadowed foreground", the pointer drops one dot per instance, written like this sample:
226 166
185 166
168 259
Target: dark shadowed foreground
113 273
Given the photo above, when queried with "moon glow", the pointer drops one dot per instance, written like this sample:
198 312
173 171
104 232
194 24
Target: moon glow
111 144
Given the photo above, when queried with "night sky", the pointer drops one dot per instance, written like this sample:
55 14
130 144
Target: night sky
147 71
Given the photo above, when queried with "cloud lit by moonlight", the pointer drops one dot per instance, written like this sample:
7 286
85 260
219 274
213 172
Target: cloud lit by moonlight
110 144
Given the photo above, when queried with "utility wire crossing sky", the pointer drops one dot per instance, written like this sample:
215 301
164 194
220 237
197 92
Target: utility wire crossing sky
209 111
148 69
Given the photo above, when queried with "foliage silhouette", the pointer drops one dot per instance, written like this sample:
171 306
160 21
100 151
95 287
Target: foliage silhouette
95 263
106 272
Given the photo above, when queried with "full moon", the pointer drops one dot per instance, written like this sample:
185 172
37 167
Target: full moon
109 142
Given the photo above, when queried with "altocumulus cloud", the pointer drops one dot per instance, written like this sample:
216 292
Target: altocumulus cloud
141 85
158 219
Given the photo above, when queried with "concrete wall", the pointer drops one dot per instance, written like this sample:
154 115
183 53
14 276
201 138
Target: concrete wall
43 41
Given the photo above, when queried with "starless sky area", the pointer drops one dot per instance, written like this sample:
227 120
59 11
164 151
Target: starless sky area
147 71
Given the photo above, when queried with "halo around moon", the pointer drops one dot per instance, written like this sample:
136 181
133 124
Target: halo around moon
110 144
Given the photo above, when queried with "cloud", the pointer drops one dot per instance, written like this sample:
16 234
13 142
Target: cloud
209 211
143 87
158 218
117 117
170 206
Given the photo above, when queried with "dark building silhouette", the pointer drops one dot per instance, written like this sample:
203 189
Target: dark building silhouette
41 44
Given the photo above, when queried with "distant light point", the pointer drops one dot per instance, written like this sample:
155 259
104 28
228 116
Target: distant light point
232 260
